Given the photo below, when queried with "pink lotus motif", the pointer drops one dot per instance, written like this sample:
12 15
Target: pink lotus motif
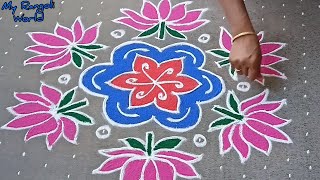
267 50
163 19
251 123
64 46
51 114
145 160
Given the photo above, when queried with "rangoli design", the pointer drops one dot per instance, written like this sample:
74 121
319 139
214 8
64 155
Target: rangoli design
251 123
147 159
267 50
144 83
50 113
64 46
163 19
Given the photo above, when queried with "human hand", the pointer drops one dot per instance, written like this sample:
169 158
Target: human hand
245 56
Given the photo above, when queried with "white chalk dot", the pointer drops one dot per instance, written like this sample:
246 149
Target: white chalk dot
284 17
303 25
262 19
282 5
221 168
0 142
98 14
284 88
81 8
289 175
262 7
0 18
68 176
308 151
305 96
1 67
16 25
302 13
20 13
59 13
243 176
10 39
303 54
19 77
223 17
304 68
288 159
265 167
310 167
24 154
283 29
307 113
307 134
101 2
18 173
5 52
74 156
304 38
318 6
45 165
305 81
62 2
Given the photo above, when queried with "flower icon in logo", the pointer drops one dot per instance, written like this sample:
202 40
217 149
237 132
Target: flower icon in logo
149 160
51 114
144 83
163 19
267 50
64 46
251 123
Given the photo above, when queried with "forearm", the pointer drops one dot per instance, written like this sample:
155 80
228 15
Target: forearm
237 16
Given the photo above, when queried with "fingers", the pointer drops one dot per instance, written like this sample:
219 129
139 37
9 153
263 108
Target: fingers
253 74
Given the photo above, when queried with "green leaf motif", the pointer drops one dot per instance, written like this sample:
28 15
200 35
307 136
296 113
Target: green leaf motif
233 103
220 53
223 63
167 144
233 73
80 117
67 98
150 31
92 47
175 33
77 59
134 143
226 112
221 122
73 106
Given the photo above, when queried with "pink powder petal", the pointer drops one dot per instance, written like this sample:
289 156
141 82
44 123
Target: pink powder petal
257 141
113 164
28 108
133 170
225 40
164 9
54 136
254 100
44 50
150 172
41 59
270 59
31 97
27 121
115 152
269 131
268 48
59 63
269 107
70 129
91 34
64 32
165 170
269 71
51 93
178 12
133 24
41 129
48 39
149 10
190 17
242 148
183 168
77 29
177 154
268 118
137 17
225 144
189 27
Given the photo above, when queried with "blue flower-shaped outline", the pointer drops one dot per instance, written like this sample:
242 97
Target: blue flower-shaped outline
94 80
